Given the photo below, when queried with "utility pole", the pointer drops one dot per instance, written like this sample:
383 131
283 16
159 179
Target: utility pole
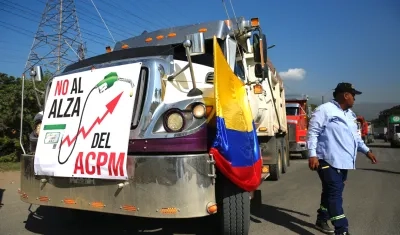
322 99
58 40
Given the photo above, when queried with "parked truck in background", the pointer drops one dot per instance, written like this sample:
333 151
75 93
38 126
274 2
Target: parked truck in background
358 128
297 113
365 129
164 127
370 134
393 130
380 132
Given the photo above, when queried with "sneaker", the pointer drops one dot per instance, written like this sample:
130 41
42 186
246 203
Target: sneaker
324 227
344 233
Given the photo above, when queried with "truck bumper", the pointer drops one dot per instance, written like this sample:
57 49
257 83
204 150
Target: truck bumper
162 186
295 147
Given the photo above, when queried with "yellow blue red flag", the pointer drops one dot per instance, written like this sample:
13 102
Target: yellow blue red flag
235 147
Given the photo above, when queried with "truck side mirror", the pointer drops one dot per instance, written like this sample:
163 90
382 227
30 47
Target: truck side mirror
260 46
37 73
258 71
256 48
196 44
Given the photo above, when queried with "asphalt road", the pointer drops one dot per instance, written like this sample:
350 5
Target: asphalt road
371 203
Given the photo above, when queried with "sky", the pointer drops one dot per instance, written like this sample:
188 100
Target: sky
319 43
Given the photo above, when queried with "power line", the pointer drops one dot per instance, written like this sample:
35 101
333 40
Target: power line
94 5
58 30
32 19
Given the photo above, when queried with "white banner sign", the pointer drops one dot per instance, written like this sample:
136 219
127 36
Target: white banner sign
86 124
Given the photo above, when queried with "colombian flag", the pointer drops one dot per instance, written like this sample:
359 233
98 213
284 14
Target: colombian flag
235 148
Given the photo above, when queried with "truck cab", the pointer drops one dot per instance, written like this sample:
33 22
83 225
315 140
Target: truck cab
395 141
359 128
393 130
371 133
366 129
297 113
157 93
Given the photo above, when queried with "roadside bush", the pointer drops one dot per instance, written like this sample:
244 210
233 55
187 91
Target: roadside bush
10 108
12 157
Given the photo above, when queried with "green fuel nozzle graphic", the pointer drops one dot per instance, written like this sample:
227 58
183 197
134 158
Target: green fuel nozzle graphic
109 81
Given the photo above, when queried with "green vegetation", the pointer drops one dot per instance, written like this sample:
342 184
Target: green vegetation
313 106
9 166
10 109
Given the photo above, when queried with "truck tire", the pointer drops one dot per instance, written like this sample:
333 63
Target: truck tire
275 170
287 149
234 208
284 156
271 148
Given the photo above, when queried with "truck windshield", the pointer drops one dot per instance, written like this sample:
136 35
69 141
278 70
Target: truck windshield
292 111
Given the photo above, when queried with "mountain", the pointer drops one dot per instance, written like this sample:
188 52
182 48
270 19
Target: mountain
369 110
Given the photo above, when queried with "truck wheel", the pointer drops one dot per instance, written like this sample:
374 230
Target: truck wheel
276 169
284 158
287 149
233 209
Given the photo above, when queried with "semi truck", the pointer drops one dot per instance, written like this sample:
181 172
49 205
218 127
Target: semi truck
297 113
393 130
371 133
359 128
365 130
148 154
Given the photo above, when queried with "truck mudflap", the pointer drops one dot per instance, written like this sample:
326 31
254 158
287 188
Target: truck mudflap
164 186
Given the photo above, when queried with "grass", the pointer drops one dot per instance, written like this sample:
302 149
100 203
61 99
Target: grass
10 166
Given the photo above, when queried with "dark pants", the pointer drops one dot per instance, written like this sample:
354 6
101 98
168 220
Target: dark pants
331 197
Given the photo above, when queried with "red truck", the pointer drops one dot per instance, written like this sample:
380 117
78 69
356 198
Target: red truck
363 126
366 129
297 114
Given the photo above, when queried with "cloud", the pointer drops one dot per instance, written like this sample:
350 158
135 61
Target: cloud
293 74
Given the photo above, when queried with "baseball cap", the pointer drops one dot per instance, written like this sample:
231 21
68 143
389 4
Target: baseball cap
347 87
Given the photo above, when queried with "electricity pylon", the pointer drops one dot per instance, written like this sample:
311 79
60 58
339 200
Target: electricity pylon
58 40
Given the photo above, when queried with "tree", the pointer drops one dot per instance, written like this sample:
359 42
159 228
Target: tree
313 106
10 109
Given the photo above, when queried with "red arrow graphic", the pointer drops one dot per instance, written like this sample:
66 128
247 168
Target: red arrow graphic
110 108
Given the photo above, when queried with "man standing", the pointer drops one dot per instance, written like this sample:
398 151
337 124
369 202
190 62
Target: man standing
333 143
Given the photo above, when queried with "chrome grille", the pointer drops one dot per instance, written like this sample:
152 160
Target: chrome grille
292 132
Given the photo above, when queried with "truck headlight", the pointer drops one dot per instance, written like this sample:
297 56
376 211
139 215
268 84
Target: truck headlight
174 121
199 110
